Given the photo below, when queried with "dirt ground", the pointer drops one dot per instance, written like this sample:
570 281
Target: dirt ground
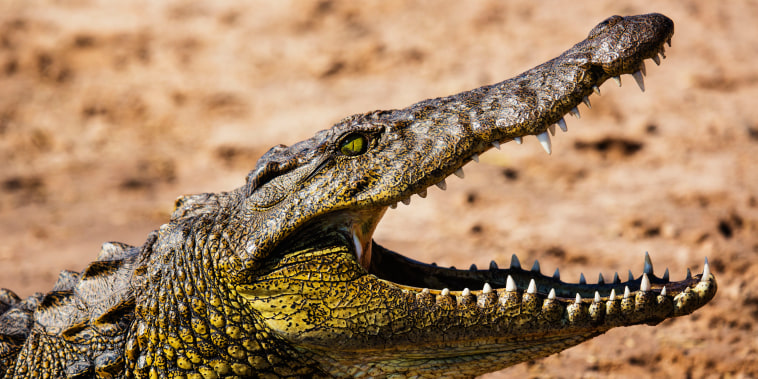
110 110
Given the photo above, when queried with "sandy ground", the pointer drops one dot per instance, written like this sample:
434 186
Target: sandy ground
110 110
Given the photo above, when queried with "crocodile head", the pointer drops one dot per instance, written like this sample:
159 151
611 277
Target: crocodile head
306 265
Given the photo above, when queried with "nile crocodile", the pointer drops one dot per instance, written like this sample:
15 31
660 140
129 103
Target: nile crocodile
281 277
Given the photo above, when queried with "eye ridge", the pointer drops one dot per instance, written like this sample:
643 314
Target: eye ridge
354 144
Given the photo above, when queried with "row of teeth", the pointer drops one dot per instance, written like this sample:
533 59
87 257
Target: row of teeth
544 137
510 287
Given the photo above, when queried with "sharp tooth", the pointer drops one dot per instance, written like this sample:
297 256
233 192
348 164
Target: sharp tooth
586 101
581 279
596 89
551 295
706 271
648 269
627 293
551 128
422 193
643 68
575 112
445 292
472 267
616 279
645 284
557 274
631 277
486 288
465 292
618 80
600 279
689 273
393 206
536 266
544 139
662 52
597 297
442 185
518 140
640 80
612 296
514 262
578 299
656 60
475 158
459 173
532 287
510 285
663 291
669 42
666 275
496 144
406 201
562 125
493 266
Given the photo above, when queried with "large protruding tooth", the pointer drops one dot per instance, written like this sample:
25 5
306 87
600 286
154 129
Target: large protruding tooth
578 299
544 139
645 284
518 140
562 125
422 193
586 101
643 68
600 279
551 295
459 173
663 291
616 279
575 112
631 277
648 269
612 296
582 280
656 59
475 158
510 284
627 293
666 275
618 80
406 201
532 287
442 185
493 266
597 297
557 274
706 271
596 89
640 80
551 128
662 52
465 292
496 144
515 262
487 288
536 266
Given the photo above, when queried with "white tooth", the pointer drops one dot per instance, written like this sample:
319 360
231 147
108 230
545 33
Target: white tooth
640 80
510 285
486 288
496 144
578 299
562 124
596 89
445 292
613 294
618 80
459 173
406 201
706 271
475 158
586 101
575 112
425 291
393 206
518 140
643 68
422 193
645 285
544 139
551 295
442 185
663 291
551 128
597 297
465 292
532 287
627 293
656 59
493 266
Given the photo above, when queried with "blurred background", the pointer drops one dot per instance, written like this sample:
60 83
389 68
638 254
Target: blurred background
110 110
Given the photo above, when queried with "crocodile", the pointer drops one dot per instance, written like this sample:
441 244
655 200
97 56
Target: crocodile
281 277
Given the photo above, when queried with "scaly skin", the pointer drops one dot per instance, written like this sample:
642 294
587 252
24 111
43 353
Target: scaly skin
281 277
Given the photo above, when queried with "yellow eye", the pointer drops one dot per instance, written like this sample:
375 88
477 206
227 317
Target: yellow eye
354 144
